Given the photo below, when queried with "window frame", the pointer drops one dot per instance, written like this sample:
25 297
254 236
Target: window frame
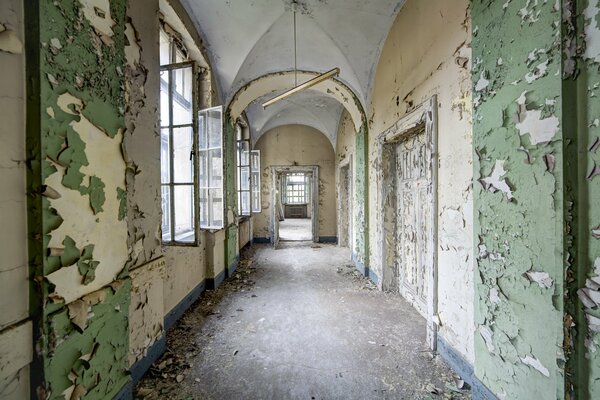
240 140
255 183
177 50
208 173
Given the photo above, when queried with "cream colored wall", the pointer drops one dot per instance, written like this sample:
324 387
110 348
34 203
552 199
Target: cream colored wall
245 233
15 333
297 145
346 150
428 53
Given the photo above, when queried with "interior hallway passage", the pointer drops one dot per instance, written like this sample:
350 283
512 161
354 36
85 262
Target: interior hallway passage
295 229
299 323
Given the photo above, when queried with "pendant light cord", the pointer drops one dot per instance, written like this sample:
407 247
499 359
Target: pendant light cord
294 6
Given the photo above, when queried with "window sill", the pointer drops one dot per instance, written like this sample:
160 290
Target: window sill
243 218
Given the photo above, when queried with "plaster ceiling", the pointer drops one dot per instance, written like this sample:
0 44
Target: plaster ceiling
247 39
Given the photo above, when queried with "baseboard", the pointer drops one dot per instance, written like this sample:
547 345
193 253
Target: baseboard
233 267
178 311
328 239
126 393
152 355
465 370
359 265
372 276
213 283
262 240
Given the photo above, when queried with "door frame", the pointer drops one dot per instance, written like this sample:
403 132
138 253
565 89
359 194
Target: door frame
276 172
346 163
422 116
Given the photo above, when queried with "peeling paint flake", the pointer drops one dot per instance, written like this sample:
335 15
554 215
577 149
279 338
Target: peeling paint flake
536 364
10 41
592 31
540 130
541 278
97 12
495 182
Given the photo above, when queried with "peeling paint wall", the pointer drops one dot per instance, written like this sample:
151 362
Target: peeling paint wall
297 145
519 198
428 53
77 197
15 334
141 146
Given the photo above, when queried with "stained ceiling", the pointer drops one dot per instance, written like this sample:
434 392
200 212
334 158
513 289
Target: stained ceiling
246 39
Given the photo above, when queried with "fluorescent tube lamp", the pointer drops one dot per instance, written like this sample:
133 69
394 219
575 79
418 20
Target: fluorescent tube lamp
304 86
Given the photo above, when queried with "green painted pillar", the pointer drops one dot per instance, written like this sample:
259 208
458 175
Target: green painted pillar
535 136
80 292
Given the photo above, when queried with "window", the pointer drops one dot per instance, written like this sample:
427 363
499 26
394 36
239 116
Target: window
243 173
255 180
248 175
178 131
296 189
210 122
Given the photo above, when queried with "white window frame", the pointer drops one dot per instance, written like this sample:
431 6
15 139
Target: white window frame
243 146
255 193
208 194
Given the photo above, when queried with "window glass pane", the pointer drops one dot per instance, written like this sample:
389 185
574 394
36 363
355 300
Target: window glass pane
204 173
164 98
213 121
166 213
183 166
245 202
165 48
182 96
216 197
216 168
165 156
204 209
184 213
245 178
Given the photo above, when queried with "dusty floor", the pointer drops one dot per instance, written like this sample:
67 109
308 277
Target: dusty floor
295 229
299 323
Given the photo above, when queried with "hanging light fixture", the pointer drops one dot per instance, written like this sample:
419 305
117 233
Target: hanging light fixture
298 88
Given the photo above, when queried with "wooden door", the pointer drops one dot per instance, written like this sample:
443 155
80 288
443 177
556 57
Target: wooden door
414 232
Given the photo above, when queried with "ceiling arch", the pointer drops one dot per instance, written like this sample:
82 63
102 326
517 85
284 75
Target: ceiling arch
239 34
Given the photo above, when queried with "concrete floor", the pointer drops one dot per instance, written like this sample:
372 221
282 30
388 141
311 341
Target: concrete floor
300 323
295 229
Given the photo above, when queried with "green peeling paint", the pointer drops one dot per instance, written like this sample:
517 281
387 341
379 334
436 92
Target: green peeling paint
518 199
361 186
90 354
231 207
536 79
89 67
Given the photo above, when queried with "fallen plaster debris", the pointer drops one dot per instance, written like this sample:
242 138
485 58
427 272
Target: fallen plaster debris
494 182
536 364
540 130
9 41
541 278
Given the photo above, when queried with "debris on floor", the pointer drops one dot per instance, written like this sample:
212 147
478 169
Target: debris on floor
296 323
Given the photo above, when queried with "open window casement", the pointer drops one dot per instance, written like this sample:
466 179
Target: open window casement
255 180
210 155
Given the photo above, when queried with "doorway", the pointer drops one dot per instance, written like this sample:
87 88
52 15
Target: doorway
295 199
407 206
345 204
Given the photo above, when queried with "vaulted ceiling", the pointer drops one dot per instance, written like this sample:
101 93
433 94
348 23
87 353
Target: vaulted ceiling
246 39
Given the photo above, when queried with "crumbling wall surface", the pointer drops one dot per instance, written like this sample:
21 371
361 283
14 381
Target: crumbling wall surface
231 203
518 198
428 53
141 144
297 145
345 150
78 205
142 139
15 336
